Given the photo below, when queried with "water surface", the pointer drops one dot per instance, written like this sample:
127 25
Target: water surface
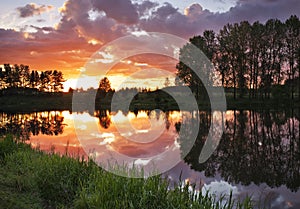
258 155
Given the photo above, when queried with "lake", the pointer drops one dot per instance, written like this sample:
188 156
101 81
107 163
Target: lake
258 154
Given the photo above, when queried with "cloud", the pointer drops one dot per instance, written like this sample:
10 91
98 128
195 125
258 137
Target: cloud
193 10
32 9
146 6
41 50
261 10
41 20
123 11
75 14
66 46
168 19
195 19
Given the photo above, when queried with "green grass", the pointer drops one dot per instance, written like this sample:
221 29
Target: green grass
32 179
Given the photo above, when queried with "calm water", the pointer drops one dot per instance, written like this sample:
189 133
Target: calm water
258 155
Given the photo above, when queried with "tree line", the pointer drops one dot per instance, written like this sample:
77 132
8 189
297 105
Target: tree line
255 60
20 76
25 125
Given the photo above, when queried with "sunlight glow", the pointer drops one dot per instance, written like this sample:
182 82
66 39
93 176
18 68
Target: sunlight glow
94 42
140 64
27 35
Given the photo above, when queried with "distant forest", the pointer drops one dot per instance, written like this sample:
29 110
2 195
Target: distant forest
255 61
21 77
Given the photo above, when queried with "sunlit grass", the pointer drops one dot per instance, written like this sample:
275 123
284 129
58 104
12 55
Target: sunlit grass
32 179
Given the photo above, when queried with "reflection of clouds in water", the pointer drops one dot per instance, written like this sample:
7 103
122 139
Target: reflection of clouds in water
140 128
102 139
220 188
278 198
275 198
141 162
108 138
279 203
141 131
81 127
84 117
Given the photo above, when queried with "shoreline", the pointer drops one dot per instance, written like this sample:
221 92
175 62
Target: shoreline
25 103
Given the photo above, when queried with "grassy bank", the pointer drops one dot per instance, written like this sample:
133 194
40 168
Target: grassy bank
32 179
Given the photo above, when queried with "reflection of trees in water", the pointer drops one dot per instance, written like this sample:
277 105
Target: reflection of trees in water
256 147
25 125
104 118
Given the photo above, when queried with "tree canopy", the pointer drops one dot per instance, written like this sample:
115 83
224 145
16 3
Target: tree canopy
250 59
20 76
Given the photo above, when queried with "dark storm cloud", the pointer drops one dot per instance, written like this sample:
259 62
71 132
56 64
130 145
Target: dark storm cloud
30 10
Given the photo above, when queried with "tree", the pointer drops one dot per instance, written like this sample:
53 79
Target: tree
254 57
234 47
45 80
104 88
2 79
243 37
292 48
8 78
15 75
56 81
272 55
34 79
178 81
191 62
24 76
19 76
167 82
227 56
104 118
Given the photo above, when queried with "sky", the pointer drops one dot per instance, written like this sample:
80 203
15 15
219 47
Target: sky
63 35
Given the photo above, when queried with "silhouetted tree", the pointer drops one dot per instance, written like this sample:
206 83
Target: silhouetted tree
20 76
104 88
191 62
167 82
257 59
292 50
104 118
57 79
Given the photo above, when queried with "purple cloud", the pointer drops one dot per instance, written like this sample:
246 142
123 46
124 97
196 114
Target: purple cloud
30 10
123 11
116 18
195 20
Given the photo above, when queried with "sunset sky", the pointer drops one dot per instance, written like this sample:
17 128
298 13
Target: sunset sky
63 35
